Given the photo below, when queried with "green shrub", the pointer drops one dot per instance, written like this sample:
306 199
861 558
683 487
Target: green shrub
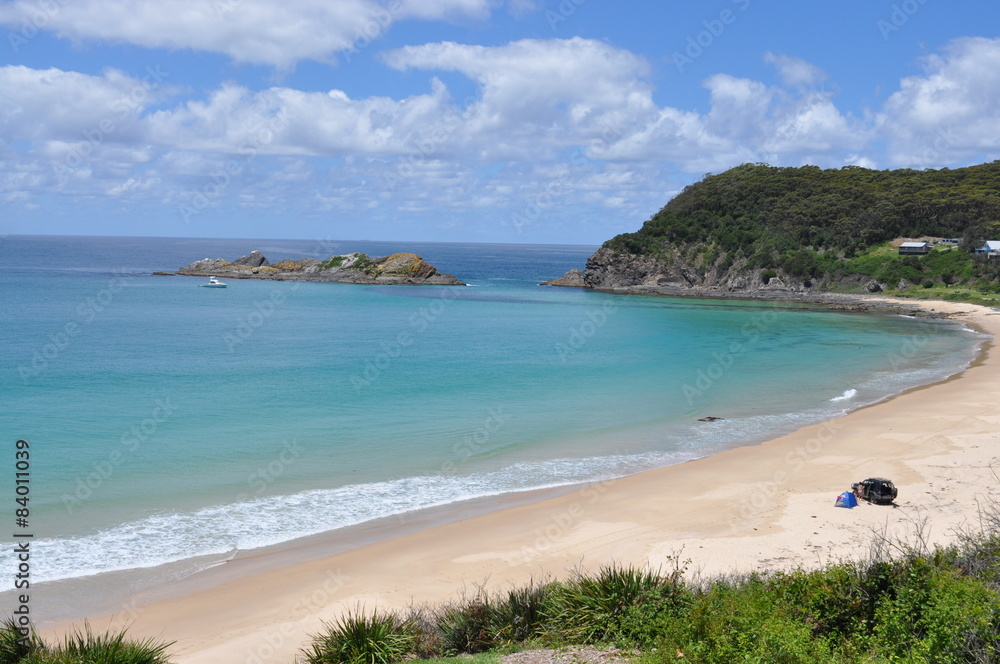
14 646
79 647
936 614
466 628
365 264
334 261
356 638
86 647
518 614
595 609
742 621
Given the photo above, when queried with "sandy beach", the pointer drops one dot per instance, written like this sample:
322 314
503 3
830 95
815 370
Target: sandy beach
767 506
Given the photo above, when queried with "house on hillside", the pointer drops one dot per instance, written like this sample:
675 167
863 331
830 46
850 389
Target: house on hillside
914 248
990 248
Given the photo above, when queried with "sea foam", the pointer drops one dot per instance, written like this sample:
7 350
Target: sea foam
846 396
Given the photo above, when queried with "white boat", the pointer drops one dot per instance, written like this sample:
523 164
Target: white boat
213 282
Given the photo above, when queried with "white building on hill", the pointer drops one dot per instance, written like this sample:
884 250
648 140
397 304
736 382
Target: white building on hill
991 248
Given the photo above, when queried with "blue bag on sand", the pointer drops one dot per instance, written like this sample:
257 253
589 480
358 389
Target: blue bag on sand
847 500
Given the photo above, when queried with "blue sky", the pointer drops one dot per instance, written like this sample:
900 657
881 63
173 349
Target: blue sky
529 121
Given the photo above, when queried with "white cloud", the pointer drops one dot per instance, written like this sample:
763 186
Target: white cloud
533 85
441 9
270 32
52 104
951 113
795 72
590 136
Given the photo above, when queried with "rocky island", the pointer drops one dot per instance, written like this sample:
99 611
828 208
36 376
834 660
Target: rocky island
354 268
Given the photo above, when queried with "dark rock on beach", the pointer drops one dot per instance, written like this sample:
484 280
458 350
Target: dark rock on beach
355 268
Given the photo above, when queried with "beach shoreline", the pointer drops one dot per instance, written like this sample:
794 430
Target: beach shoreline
763 506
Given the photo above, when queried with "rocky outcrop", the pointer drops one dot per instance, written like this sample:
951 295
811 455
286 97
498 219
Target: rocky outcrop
682 269
406 265
610 269
355 268
873 286
255 259
572 279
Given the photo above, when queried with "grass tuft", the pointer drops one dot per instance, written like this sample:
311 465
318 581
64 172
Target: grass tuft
357 638
80 647
595 609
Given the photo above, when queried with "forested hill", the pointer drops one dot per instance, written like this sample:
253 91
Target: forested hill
807 226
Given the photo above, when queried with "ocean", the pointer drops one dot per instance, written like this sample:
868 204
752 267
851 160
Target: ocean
175 425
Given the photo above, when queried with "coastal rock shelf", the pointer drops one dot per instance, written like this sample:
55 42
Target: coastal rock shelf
355 268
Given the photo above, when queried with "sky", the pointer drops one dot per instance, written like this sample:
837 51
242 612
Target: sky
516 121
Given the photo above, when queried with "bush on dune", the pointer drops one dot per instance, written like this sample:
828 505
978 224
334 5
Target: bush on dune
357 638
79 647
915 606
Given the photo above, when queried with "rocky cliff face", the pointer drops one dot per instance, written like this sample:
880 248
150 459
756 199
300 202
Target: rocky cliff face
608 269
355 268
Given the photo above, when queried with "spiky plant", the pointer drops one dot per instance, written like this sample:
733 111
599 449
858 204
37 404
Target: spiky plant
15 646
589 608
359 638
111 648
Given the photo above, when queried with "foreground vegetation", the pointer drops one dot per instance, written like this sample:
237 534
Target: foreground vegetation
901 603
81 647
937 606
830 226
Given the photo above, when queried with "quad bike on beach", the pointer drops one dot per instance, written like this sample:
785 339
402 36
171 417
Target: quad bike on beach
875 490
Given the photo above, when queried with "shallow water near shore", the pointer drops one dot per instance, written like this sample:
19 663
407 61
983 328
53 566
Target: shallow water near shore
171 423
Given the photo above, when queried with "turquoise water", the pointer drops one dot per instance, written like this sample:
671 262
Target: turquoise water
168 421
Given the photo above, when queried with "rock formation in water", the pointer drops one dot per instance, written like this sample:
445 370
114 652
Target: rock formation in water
355 268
